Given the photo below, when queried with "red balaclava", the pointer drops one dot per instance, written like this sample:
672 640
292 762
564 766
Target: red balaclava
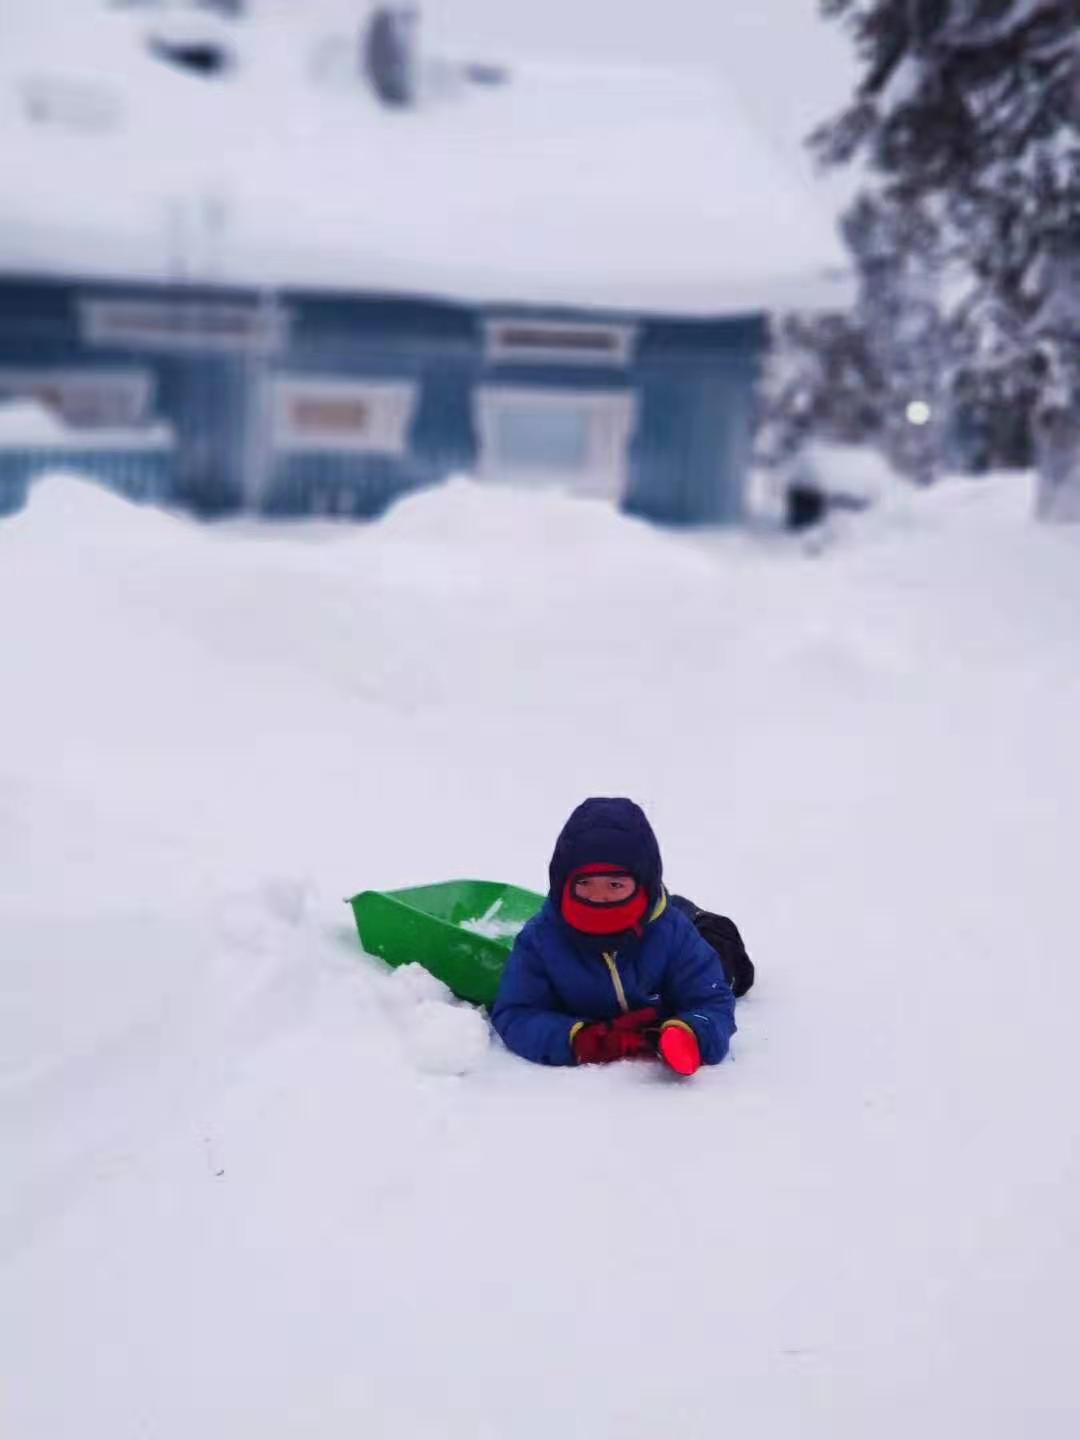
610 918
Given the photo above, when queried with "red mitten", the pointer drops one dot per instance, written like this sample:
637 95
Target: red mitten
636 1020
680 1048
600 1044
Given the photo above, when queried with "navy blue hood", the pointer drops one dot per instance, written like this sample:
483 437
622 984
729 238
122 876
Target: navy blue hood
613 831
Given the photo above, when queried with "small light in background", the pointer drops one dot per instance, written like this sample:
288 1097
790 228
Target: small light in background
919 413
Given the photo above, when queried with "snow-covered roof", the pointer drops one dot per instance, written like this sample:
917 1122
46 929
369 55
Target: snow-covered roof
631 188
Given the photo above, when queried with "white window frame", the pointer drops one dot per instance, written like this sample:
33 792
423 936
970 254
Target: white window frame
549 342
186 325
612 417
130 390
389 405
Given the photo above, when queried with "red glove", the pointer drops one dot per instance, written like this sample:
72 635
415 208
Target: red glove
621 1039
679 1047
637 1020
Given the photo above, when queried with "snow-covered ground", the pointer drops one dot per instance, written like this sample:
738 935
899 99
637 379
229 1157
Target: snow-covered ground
256 1186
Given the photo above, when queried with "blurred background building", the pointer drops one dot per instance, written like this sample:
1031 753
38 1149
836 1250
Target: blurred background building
294 259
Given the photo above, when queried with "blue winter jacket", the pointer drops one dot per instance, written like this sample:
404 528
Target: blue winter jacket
556 976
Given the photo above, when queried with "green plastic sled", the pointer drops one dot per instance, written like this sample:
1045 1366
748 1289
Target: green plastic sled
462 930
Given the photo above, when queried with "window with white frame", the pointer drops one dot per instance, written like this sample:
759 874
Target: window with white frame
88 398
316 413
580 438
214 325
557 342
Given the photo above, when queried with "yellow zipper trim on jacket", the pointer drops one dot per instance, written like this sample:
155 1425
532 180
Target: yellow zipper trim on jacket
616 980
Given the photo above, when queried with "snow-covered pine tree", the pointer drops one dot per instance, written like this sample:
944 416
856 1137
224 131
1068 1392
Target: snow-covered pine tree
970 110
819 381
899 310
859 376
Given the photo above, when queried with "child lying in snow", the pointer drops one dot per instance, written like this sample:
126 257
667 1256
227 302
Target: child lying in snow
612 968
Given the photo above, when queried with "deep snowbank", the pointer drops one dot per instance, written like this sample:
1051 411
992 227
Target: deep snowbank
243 1196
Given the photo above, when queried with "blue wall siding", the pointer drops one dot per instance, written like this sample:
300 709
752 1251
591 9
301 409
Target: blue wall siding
693 383
433 346
698 400
692 450
203 396
443 433
206 400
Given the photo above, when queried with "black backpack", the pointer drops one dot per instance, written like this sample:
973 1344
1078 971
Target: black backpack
723 935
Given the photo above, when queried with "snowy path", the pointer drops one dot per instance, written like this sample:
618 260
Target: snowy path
238 1200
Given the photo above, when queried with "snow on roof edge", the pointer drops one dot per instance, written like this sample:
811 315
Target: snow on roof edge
828 291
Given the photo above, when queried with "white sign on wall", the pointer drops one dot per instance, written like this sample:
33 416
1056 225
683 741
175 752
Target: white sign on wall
188 325
525 341
85 399
324 413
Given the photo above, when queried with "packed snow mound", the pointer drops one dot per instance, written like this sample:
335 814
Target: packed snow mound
236 1144
521 531
443 1035
80 509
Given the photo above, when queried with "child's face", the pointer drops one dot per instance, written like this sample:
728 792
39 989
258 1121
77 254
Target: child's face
604 889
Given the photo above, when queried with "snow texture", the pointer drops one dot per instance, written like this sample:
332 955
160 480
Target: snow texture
490 926
624 186
442 1035
256 1184
30 423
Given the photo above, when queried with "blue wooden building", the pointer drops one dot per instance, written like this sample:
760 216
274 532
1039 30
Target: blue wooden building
272 291
296 403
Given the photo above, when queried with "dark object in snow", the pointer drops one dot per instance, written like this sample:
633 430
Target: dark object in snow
388 54
201 57
808 503
805 506
479 72
723 935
